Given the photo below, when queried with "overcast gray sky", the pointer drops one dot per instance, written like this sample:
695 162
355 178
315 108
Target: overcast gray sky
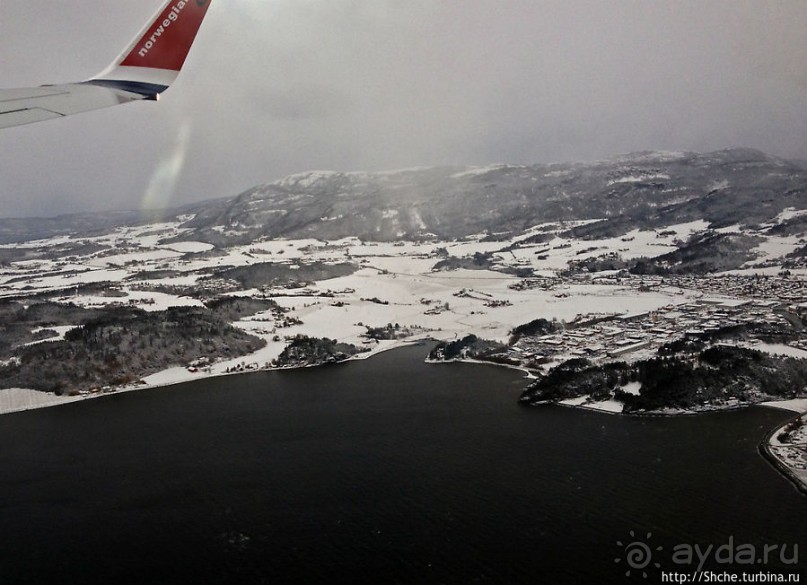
273 87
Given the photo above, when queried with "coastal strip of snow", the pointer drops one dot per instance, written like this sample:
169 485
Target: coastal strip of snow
610 406
796 405
19 399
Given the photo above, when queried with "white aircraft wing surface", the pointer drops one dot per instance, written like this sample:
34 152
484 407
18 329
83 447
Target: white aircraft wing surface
144 70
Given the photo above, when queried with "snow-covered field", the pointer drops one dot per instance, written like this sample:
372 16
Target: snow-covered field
396 284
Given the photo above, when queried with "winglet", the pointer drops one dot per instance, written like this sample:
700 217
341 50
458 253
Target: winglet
152 61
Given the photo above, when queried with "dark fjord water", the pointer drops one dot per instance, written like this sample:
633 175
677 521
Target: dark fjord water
382 471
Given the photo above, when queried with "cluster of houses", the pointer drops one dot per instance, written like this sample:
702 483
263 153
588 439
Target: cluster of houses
784 289
633 336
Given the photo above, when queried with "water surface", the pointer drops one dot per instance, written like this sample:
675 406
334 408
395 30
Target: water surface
385 471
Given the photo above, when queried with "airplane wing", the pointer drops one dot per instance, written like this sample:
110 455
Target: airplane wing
144 70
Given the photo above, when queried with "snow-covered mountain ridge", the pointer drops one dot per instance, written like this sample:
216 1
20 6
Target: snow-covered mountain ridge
641 190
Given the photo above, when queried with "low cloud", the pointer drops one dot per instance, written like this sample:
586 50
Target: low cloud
277 87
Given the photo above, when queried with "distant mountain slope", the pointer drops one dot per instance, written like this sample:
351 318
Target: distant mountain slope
649 189
13 230
644 190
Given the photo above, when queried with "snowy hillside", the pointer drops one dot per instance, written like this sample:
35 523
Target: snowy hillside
644 190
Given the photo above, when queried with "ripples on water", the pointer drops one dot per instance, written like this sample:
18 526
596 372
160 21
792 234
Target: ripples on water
383 471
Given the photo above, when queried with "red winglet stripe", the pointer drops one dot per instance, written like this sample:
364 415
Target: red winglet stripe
166 43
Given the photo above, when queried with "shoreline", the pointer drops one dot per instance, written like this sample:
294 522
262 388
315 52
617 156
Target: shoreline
797 405
767 448
528 374
27 400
